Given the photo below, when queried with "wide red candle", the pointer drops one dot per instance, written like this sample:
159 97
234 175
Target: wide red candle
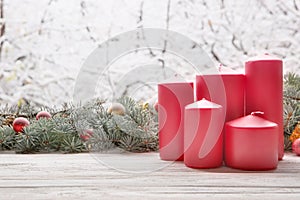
203 138
226 88
251 143
264 91
172 99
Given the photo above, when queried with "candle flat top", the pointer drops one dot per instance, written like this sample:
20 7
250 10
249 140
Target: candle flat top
264 57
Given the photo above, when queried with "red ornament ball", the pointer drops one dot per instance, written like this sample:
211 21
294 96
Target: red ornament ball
156 106
86 134
85 137
296 146
19 123
44 114
89 132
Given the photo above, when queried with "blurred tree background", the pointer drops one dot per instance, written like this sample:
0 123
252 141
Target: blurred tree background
43 43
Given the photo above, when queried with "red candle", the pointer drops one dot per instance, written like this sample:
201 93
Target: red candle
264 91
226 88
203 138
251 143
172 98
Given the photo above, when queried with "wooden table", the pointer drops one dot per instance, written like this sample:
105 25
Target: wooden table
138 176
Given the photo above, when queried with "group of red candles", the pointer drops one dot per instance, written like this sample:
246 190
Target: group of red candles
233 118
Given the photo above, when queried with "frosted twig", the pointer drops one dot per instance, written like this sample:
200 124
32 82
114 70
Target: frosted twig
42 21
295 5
167 25
140 20
87 28
2 27
214 53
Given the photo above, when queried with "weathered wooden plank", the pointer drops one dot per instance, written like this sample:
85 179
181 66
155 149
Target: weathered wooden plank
113 176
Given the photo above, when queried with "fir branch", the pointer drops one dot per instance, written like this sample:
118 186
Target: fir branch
7 140
291 105
66 130
291 97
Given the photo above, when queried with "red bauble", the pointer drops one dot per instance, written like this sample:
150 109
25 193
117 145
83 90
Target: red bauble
19 123
44 114
85 137
156 106
89 132
296 146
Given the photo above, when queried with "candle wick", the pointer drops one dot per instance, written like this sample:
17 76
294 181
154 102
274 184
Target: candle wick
257 113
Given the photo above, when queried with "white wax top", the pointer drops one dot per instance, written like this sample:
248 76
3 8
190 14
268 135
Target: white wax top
251 121
203 104
263 57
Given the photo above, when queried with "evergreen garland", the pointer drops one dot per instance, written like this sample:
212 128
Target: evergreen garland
91 127
67 130
291 106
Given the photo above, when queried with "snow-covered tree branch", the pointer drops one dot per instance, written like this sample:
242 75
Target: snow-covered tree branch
43 43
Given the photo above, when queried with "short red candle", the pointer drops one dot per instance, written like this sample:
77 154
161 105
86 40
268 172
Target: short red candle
251 143
203 138
172 98
264 91
231 96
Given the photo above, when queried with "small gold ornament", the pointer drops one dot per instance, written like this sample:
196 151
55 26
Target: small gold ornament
296 133
145 106
116 109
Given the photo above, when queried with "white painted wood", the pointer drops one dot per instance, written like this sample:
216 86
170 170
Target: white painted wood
138 176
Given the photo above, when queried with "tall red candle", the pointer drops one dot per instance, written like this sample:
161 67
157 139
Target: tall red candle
172 98
203 135
264 91
226 88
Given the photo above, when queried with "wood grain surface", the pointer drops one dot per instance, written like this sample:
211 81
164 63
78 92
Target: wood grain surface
138 176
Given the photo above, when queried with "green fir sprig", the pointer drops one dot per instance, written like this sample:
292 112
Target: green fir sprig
291 105
134 130
66 131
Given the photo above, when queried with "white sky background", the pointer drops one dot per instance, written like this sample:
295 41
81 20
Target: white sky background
47 41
